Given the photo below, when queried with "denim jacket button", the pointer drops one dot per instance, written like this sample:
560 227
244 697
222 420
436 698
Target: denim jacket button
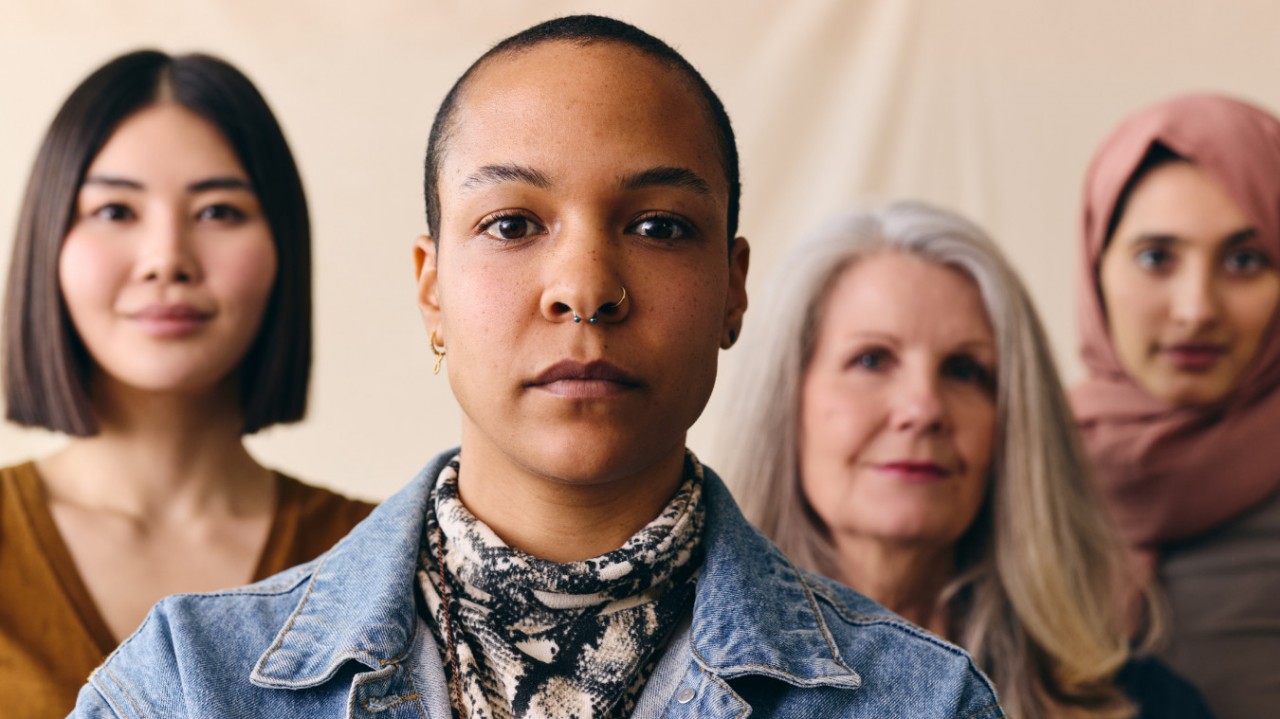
685 696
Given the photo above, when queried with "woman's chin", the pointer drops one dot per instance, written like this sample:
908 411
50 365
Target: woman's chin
1186 390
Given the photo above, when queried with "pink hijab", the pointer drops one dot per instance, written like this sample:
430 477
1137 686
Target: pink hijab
1168 472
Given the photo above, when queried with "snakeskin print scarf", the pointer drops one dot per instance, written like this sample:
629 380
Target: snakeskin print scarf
534 638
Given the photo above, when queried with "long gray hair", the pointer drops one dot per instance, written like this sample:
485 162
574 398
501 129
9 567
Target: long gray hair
1036 599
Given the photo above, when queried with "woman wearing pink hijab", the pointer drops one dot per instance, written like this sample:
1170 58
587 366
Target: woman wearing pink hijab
1181 410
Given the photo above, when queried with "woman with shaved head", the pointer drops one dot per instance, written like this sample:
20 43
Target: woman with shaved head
572 558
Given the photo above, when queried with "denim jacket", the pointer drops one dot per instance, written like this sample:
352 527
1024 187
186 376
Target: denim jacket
343 636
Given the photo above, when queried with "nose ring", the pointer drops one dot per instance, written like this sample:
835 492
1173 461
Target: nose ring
595 317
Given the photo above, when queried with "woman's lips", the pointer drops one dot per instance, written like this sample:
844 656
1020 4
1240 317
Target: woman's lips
591 380
1194 356
914 472
170 321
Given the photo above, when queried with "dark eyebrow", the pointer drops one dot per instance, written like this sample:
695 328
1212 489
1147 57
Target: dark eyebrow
220 183
213 183
667 177
497 174
1164 239
111 181
1240 237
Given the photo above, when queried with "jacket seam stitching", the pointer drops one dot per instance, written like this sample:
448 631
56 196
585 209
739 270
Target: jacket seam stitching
743 706
817 613
912 630
275 646
123 690
889 620
394 702
115 706
844 611
703 664
775 670
408 646
288 627
983 711
415 695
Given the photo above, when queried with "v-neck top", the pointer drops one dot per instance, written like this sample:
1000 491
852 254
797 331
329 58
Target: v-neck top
52 634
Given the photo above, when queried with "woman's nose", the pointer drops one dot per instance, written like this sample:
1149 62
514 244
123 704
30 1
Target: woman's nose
585 285
1195 297
918 406
166 254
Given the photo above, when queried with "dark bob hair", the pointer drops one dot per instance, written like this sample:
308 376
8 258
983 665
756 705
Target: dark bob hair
46 366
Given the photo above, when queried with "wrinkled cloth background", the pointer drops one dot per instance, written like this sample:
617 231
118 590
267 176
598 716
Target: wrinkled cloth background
992 107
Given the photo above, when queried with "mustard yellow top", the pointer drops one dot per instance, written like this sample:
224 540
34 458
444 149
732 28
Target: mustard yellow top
51 632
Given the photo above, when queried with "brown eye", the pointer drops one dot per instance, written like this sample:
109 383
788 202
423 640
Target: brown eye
510 227
114 212
221 213
1154 259
1245 262
660 228
969 371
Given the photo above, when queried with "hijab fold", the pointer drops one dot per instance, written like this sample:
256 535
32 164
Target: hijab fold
1170 472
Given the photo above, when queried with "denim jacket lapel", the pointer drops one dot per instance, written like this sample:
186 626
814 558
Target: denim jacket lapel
754 612
360 604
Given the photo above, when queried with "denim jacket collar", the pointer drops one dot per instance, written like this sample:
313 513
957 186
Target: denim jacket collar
361 605
361 602
733 632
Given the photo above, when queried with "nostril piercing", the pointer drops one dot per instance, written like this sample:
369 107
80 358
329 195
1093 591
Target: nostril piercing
595 316
608 307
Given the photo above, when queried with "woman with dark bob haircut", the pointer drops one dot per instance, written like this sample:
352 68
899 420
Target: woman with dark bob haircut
158 309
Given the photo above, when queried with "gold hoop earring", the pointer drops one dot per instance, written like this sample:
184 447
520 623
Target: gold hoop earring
438 350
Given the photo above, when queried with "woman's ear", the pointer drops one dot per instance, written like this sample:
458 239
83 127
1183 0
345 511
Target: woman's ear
424 267
736 306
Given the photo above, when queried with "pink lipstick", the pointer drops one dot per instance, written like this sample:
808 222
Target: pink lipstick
1195 356
914 472
170 321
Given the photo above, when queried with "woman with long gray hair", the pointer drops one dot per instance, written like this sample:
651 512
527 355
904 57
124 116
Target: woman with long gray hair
901 427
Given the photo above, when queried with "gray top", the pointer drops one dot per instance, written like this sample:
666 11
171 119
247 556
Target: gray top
1224 589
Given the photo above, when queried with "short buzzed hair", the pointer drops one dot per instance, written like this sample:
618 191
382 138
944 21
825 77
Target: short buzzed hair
583 30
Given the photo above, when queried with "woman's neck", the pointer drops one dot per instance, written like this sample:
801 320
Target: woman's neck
558 520
907 579
160 453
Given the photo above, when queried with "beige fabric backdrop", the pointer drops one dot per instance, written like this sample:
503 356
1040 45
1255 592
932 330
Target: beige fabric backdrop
988 106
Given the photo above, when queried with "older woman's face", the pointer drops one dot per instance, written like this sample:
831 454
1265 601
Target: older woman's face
899 417
571 173
1188 289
